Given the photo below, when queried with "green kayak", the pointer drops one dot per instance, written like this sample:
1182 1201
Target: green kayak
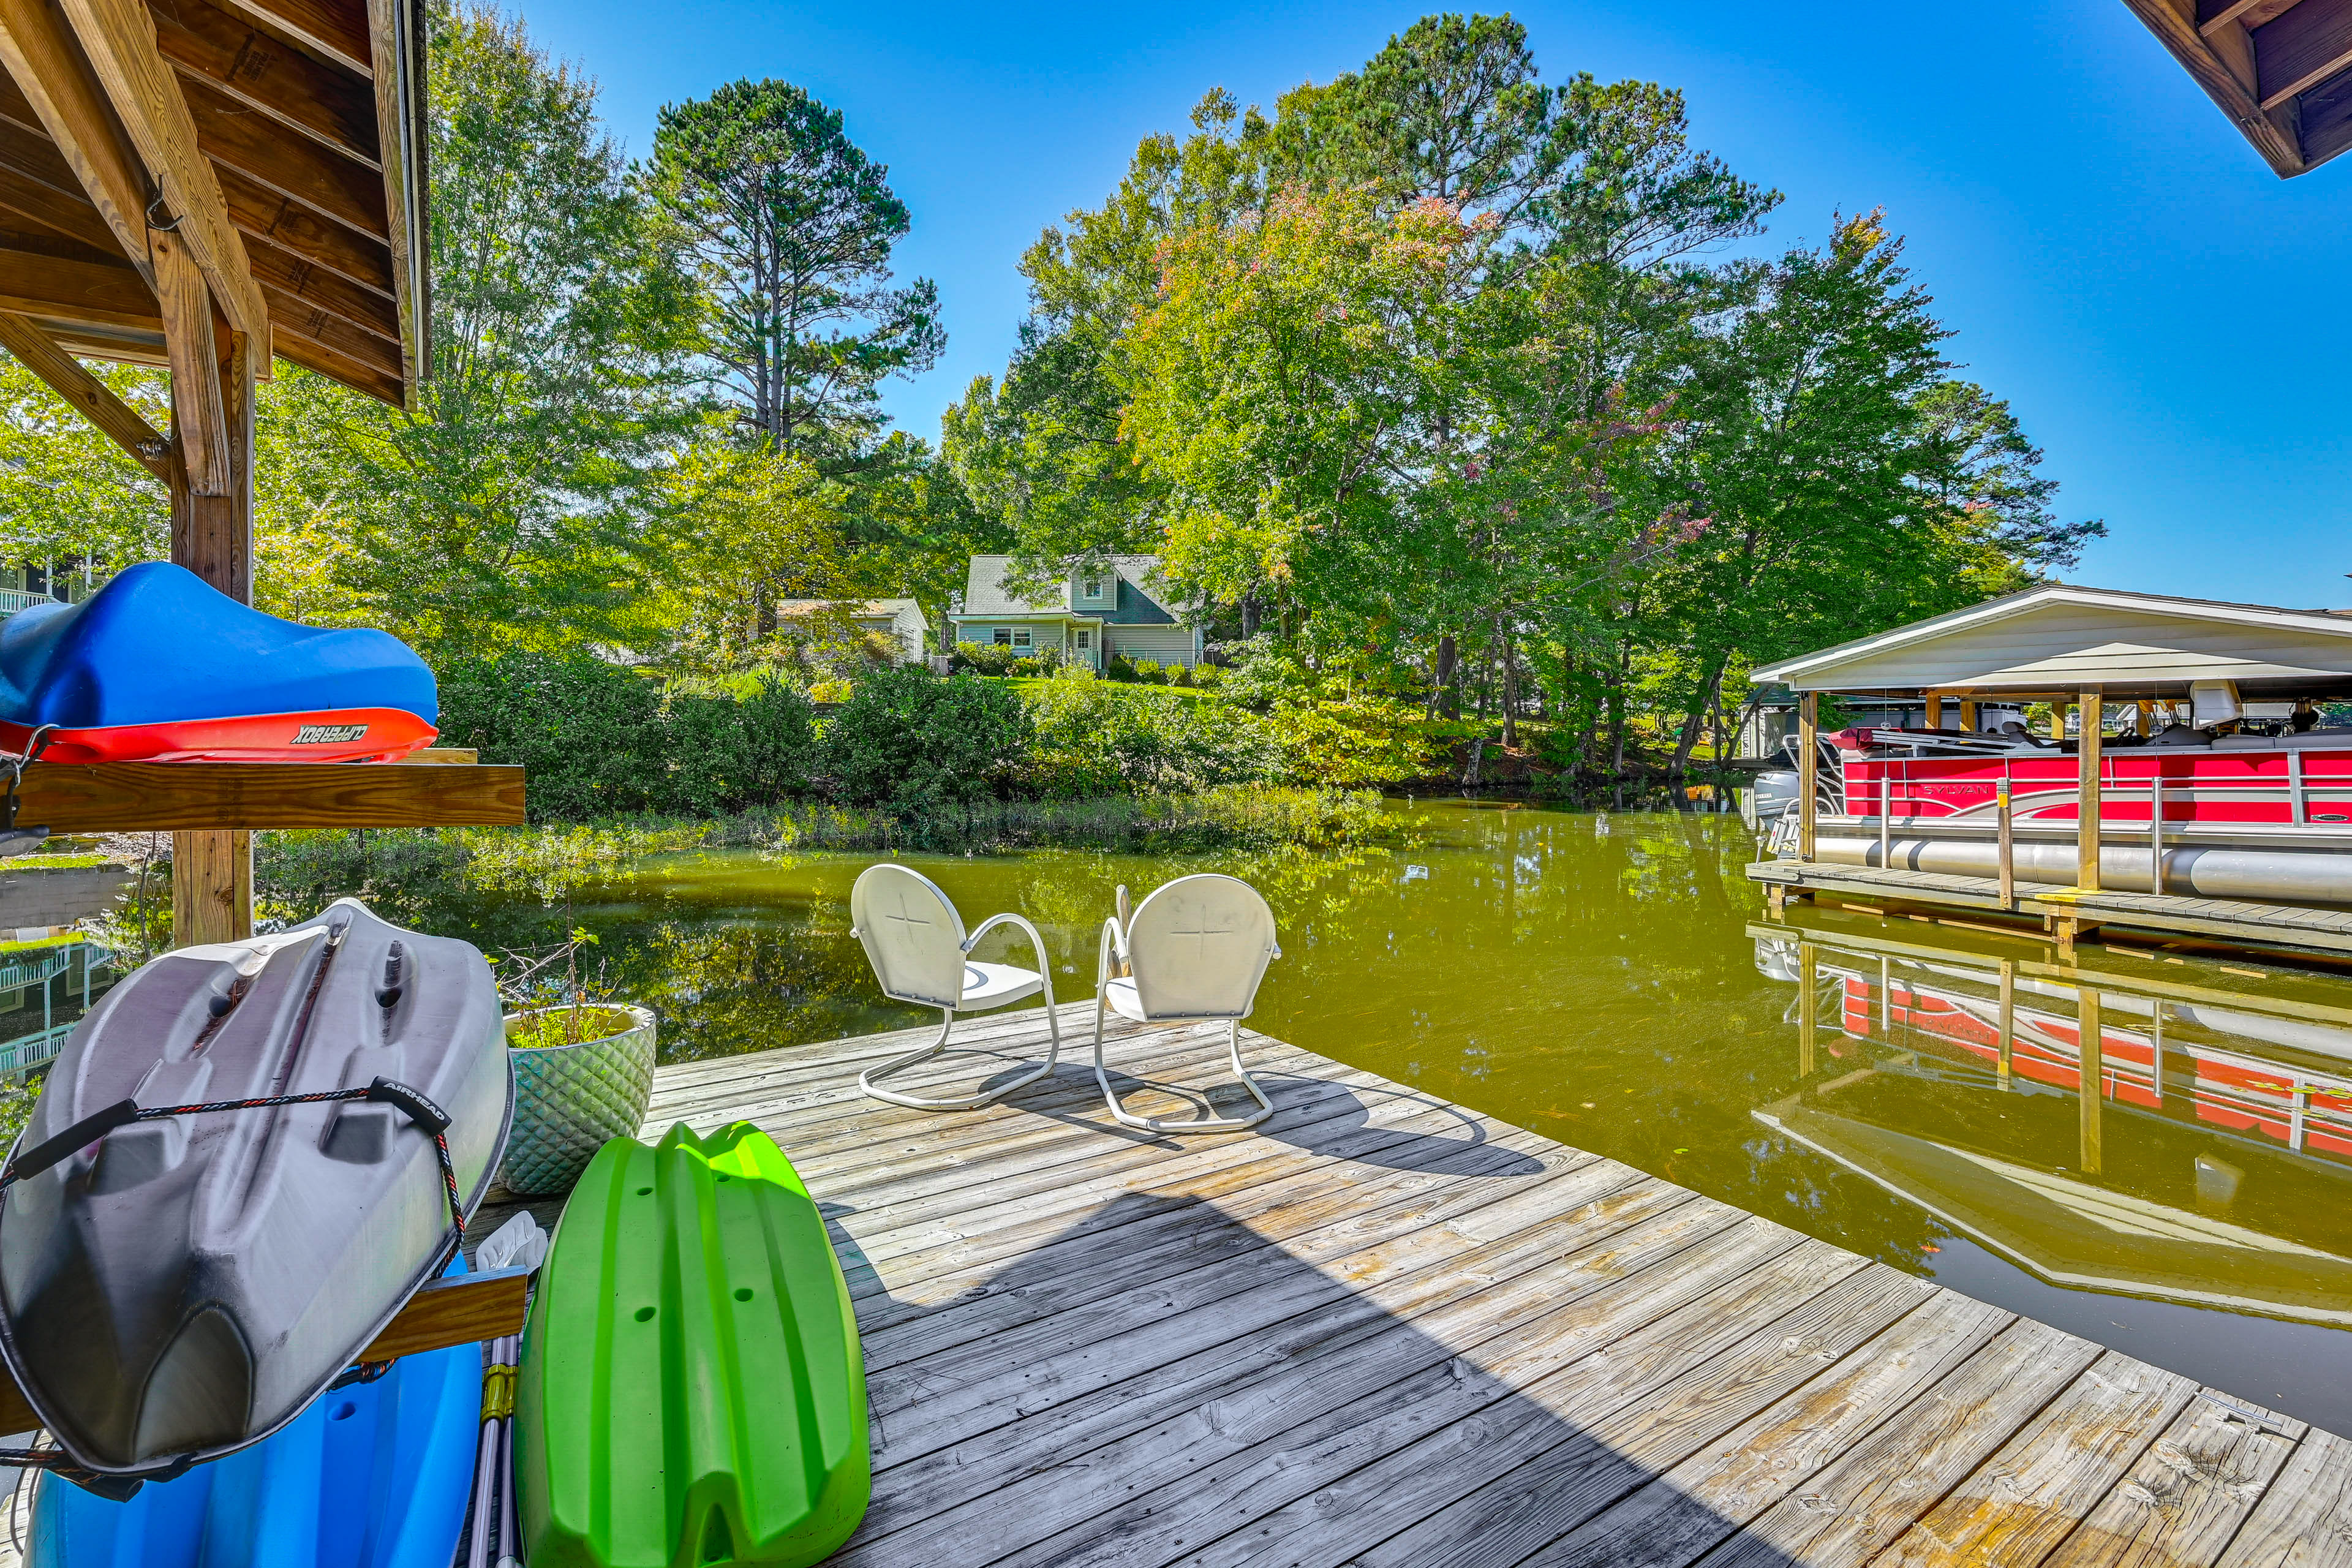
691 1390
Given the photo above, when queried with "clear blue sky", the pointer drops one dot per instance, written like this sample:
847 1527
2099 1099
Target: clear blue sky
2168 317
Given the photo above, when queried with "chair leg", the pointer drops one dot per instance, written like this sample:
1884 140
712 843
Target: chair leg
868 1081
1205 1124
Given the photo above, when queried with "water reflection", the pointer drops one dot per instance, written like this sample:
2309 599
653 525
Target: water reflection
1607 980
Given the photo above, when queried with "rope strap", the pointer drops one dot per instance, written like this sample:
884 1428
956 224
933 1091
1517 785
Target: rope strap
428 1117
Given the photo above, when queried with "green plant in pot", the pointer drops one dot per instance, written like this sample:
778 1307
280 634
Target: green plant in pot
583 1065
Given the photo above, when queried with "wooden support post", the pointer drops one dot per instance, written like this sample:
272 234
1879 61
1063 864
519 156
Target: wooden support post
1808 982
1808 774
2057 721
199 420
2008 1016
1969 714
1935 703
212 535
2090 1079
2087 798
2004 829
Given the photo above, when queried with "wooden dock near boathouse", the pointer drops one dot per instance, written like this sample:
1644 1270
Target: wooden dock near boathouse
1385 1331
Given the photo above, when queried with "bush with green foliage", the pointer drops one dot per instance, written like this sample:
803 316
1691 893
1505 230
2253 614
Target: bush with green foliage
908 739
1095 738
595 739
982 659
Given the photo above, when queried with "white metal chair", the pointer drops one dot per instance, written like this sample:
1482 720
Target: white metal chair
916 942
1195 952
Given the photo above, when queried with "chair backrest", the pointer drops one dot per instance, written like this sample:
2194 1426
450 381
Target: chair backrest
912 935
1199 946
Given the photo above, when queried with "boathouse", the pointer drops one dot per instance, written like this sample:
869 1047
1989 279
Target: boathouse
2250 684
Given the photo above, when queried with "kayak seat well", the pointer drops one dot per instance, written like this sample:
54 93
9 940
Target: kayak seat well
692 1390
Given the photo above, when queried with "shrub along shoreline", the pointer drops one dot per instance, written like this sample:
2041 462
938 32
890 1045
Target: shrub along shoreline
600 740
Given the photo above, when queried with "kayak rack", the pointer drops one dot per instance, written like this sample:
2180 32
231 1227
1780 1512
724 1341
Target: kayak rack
445 1312
141 797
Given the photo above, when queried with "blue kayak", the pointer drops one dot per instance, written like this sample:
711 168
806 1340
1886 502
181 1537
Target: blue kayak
376 1475
159 666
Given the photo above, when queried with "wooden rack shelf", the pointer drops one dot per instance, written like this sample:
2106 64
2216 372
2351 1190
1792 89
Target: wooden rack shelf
456 1311
141 797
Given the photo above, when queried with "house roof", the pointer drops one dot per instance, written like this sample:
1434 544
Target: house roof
1143 593
867 608
2060 638
2280 70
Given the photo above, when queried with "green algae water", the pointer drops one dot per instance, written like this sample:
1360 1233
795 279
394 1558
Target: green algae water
1613 982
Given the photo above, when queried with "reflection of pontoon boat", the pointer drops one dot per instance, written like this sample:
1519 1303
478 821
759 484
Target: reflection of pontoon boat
1925 1118
2221 784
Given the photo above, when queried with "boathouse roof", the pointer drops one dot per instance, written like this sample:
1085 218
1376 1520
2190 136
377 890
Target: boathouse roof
2280 70
2057 639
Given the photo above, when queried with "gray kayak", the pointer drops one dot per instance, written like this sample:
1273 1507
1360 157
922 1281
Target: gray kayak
175 1289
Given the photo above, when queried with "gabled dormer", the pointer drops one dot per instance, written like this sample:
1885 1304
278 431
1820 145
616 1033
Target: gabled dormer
1094 591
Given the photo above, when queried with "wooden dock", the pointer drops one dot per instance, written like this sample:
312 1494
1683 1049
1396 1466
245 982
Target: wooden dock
2235 922
1386 1331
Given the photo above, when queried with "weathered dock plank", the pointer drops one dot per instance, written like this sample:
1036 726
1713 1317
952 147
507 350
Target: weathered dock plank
1386 1331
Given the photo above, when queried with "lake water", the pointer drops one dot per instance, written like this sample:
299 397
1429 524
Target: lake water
1611 981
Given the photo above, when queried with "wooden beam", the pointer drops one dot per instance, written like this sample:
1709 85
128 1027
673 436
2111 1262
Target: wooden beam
199 425
96 400
293 284
461 1311
118 37
2212 16
2087 795
270 215
324 103
227 131
400 133
32 284
2302 48
129 797
2181 39
333 30
330 332
67 96
383 386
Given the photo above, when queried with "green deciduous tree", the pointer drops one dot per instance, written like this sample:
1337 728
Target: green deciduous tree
515 505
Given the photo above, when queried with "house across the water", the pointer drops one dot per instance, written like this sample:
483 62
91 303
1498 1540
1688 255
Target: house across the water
900 620
1126 609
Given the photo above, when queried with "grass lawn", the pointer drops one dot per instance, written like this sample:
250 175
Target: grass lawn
57 862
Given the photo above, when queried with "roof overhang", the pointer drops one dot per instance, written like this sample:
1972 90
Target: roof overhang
2057 639
288 140
2280 70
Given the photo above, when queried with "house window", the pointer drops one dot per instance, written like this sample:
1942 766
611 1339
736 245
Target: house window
1003 636
1021 636
1086 639
1094 587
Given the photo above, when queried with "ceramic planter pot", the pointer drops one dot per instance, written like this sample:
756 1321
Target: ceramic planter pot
570 1100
